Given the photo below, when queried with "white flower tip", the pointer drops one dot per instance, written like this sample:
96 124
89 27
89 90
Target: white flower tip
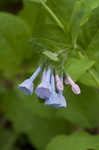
76 89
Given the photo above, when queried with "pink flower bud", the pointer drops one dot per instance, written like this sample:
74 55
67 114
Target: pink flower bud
68 80
59 84
76 89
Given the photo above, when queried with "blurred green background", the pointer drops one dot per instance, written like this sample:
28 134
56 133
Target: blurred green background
26 30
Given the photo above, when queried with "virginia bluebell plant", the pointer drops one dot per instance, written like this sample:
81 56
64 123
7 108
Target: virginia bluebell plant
46 89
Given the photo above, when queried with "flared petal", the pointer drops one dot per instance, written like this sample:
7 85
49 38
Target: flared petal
43 90
26 87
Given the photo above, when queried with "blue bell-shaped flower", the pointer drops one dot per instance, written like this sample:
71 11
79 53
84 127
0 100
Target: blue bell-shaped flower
53 100
61 99
27 86
44 88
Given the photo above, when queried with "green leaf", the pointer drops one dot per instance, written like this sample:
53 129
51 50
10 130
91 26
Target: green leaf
51 55
30 14
77 67
89 79
93 47
63 10
13 42
50 38
89 29
80 15
77 141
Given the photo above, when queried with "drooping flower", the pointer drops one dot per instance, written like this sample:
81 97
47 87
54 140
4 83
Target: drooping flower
60 95
27 86
52 100
44 88
75 87
55 100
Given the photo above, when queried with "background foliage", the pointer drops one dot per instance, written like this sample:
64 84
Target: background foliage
31 30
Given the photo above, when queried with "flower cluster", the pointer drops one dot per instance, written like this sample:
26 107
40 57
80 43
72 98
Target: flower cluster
47 90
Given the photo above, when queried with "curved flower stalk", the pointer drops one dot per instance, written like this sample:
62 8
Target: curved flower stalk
27 86
55 100
75 87
44 88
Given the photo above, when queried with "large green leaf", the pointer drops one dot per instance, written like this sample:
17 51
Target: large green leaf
93 47
14 36
33 14
63 10
89 29
81 13
77 67
90 78
50 35
78 141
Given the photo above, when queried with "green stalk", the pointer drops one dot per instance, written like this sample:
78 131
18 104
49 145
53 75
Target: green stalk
52 14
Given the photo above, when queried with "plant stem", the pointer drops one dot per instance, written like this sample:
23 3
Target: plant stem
52 14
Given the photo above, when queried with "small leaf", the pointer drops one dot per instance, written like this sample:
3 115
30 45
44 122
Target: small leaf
51 55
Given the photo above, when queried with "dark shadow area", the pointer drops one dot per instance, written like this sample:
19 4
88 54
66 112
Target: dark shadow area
11 6
23 143
94 131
